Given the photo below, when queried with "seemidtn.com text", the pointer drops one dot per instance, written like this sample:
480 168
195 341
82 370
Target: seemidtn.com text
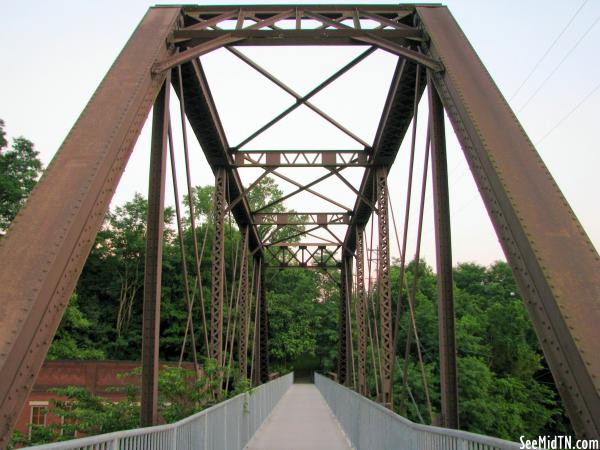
559 442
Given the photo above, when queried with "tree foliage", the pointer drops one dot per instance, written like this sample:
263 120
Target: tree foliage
504 387
20 168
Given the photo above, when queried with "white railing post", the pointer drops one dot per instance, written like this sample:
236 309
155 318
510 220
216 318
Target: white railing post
174 438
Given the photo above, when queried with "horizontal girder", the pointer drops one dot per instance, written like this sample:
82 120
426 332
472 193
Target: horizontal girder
294 37
301 218
304 255
300 158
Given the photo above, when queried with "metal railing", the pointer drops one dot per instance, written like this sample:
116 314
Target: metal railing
369 425
225 426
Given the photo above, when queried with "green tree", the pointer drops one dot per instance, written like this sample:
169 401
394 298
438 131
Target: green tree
68 342
20 168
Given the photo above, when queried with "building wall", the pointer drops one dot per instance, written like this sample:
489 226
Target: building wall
97 376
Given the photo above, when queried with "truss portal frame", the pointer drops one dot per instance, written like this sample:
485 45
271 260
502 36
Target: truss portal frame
555 264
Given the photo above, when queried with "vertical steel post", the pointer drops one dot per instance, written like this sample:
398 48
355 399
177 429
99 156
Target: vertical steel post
243 309
351 369
385 293
342 360
218 268
255 372
264 326
361 312
443 247
153 266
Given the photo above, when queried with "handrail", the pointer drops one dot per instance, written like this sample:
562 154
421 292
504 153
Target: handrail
224 426
369 425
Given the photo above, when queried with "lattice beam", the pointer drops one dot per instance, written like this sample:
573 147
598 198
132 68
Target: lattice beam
384 288
361 312
218 267
244 308
308 218
304 255
308 158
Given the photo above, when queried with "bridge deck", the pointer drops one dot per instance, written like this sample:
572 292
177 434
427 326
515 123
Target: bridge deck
301 420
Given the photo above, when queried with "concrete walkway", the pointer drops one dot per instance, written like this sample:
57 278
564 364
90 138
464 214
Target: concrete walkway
300 421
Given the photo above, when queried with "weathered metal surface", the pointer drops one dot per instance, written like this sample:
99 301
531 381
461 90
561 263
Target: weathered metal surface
194 52
443 247
304 218
257 276
555 264
218 267
304 255
299 158
347 288
153 263
49 240
294 37
361 313
264 327
400 50
384 288
342 354
244 309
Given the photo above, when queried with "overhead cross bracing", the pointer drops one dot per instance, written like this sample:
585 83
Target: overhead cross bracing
364 23
555 265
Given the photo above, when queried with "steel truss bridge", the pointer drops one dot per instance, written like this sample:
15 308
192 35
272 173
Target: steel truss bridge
555 265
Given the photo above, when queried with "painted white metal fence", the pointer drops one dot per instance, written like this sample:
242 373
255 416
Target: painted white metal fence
226 426
370 426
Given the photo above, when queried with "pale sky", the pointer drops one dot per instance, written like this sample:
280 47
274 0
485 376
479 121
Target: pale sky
55 54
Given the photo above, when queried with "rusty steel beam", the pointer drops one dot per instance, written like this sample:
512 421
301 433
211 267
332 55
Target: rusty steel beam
384 288
286 37
299 158
554 263
215 20
443 246
361 312
302 218
342 354
304 255
400 50
51 236
347 289
322 268
258 10
257 277
194 52
263 335
244 309
218 267
153 263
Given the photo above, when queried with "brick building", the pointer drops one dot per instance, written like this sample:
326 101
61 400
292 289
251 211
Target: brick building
97 376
